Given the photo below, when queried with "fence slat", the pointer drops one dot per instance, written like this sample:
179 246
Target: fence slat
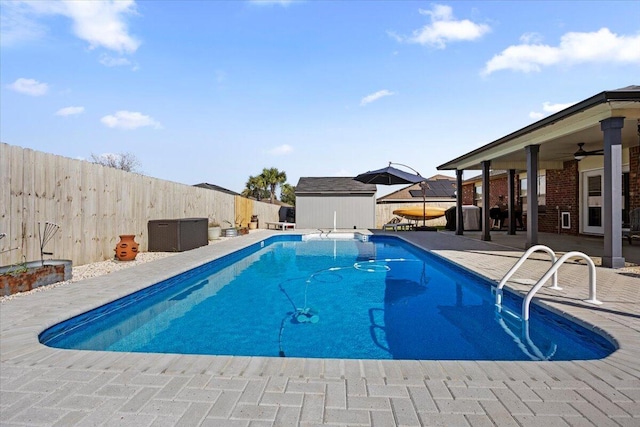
94 204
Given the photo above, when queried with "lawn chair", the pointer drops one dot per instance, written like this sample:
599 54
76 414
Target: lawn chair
396 224
634 223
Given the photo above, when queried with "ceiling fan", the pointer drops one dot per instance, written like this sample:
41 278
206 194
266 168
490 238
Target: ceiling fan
582 153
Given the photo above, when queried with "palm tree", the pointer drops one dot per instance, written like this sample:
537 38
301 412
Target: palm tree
288 194
255 187
272 178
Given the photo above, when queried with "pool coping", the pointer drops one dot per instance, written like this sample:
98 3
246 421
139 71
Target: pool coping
318 391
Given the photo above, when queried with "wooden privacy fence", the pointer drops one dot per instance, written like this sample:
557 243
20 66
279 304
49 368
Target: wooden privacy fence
93 205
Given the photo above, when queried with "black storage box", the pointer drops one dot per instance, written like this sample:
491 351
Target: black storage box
177 235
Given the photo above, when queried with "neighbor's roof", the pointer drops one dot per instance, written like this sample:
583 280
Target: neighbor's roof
492 174
441 177
217 188
440 186
333 185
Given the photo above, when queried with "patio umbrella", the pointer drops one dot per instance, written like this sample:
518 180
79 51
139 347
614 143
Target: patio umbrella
389 176
394 176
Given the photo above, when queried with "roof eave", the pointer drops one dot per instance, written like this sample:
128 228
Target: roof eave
600 98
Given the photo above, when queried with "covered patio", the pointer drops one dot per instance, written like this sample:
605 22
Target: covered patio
589 245
605 130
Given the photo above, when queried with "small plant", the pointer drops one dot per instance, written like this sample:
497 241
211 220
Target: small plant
18 268
214 223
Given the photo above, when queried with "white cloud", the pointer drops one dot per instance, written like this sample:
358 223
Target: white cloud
444 28
375 96
110 61
601 46
529 38
129 120
16 26
549 108
102 23
70 111
281 150
343 172
29 87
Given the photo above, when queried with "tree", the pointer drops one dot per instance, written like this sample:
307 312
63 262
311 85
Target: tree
272 178
124 161
288 194
256 188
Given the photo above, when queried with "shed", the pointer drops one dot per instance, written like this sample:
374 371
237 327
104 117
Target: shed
340 202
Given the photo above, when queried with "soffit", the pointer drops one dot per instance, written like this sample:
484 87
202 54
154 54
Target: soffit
558 140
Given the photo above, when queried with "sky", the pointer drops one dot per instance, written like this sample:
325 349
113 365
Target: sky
215 91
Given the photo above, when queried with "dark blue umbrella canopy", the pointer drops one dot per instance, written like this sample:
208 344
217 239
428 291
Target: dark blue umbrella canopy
389 176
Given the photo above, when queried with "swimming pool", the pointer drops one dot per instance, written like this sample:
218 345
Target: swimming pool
328 298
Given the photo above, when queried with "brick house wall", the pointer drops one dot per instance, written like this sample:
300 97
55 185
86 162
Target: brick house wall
498 188
562 196
562 193
467 194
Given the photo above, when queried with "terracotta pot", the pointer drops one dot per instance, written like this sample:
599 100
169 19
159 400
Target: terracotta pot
127 248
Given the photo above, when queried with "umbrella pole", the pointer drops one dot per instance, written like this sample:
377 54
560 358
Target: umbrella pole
424 204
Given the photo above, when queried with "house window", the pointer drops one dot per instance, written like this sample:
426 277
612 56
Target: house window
542 192
594 194
477 195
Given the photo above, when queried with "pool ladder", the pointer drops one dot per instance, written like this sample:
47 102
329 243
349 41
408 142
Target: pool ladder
508 321
552 273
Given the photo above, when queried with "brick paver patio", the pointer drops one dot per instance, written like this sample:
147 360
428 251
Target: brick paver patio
45 386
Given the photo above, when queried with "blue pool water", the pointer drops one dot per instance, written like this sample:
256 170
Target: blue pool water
376 299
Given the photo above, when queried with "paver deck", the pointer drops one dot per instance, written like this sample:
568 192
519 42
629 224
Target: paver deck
46 386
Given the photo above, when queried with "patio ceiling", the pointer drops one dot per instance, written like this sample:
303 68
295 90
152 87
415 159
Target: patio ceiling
558 135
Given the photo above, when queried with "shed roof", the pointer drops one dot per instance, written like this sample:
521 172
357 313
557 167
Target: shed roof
333 185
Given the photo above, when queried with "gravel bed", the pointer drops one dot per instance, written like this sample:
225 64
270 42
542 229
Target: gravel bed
100 268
